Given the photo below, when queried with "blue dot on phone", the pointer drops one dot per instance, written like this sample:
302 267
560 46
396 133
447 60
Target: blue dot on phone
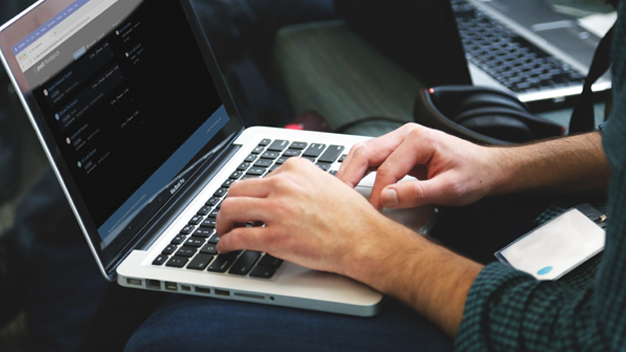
545 270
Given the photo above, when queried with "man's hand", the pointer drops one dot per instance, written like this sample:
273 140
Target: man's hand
450 171
311 217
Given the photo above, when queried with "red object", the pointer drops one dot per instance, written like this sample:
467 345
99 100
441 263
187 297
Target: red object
294 126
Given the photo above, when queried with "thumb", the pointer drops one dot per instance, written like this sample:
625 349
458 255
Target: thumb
415 193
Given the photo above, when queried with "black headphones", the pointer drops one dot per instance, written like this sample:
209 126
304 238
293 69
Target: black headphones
482 115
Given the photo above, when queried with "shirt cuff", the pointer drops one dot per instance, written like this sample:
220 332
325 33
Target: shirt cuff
473 333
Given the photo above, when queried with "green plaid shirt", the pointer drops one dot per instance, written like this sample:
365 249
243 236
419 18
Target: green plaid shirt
507 310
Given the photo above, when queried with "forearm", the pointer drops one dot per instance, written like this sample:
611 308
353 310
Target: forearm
575 164
429 278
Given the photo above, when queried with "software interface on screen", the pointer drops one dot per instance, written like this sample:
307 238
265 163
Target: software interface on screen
126 95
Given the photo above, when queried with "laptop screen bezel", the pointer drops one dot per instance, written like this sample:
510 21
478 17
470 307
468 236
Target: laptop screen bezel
110 256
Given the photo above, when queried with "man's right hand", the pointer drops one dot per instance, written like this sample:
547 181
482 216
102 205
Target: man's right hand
450 171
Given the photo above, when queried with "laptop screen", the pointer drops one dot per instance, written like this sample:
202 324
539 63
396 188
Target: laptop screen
123 96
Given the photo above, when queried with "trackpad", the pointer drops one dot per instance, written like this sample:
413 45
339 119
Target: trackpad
414 218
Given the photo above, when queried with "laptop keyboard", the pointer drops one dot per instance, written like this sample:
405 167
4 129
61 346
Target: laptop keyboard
194 246
512 60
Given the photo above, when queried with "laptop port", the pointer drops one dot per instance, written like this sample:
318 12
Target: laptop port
203 290
171 286
249 296
133 282
185 288
224 293
153 284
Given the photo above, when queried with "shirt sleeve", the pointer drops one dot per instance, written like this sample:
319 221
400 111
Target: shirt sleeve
508 310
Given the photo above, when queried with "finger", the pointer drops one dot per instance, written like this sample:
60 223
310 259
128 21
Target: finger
416 193
412 152
367 155
251 238
236 210
252 187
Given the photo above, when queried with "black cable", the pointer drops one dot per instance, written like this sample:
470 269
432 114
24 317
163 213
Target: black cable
346 126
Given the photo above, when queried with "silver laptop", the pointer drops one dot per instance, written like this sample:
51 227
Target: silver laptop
133 114
527 48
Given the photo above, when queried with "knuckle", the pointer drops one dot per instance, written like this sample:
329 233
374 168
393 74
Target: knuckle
280 208
293 163
385 170
456 188
415 132
227 205
410 126
234 239
359 149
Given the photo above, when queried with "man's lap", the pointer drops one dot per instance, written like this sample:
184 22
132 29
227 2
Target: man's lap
188 323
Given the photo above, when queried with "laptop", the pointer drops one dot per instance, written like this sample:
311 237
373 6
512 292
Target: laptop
527 48
523 47
133 114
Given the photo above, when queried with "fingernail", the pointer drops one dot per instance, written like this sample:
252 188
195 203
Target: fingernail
389 198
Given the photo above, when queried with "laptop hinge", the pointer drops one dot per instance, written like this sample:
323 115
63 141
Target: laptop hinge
168 213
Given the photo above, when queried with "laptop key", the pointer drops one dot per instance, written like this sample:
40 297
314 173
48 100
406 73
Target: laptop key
228 183
205 233
265 142
178 239
186 230
169 249
204 210
298 145
278 145
243 166
200 262
220 192
281 160
209 248
195 220
212 201
270 261
258 150
291 152
263 272
210 223
245 262
194 242
250 158
270 155
159 260
324 166
263 163
314 150
223 262
256 171
186 252
177 262
215 239
236 175
331 154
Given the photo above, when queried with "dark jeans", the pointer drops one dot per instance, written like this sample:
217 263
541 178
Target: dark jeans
192 324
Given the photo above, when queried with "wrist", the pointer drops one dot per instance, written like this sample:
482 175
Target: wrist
427 277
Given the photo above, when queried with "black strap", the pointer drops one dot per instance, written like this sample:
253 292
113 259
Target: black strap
583 119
